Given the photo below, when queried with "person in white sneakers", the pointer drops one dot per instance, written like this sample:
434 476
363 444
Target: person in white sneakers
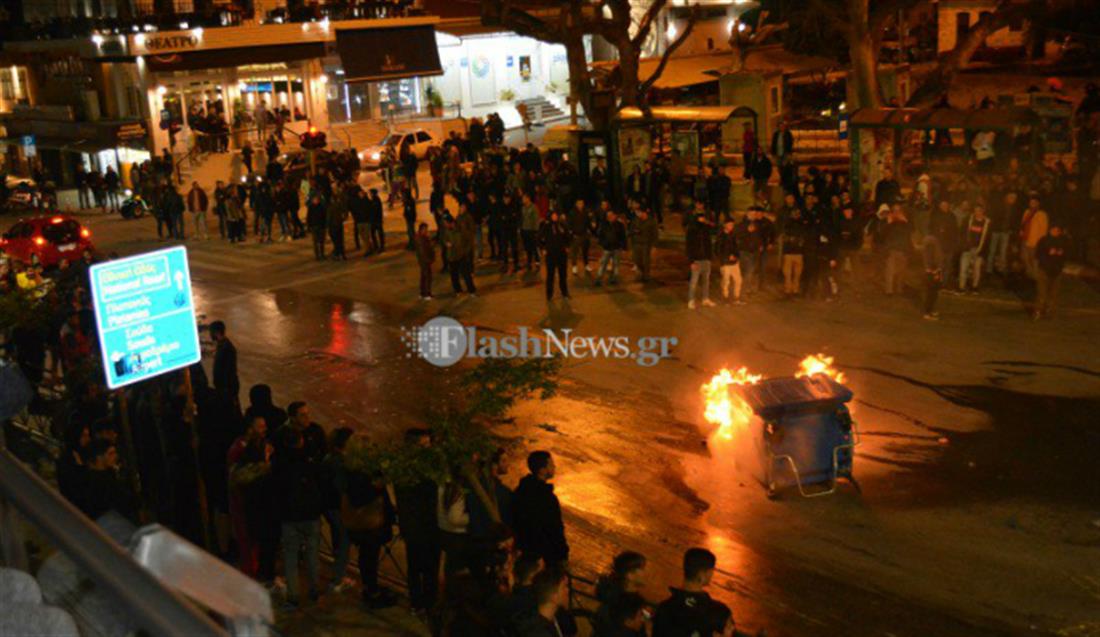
700 251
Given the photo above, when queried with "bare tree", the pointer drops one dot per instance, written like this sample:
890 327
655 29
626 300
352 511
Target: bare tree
566 22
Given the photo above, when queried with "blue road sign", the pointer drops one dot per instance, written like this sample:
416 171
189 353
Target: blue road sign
145 315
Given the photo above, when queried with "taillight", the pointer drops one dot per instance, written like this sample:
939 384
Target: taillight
39 241
56 220
84 232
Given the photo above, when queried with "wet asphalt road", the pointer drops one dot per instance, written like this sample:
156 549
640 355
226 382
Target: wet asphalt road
986 534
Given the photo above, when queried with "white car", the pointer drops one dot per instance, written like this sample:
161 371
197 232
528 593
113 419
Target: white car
419 140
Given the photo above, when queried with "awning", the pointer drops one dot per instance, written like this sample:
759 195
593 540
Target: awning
233 57
372 55
709 114
680 72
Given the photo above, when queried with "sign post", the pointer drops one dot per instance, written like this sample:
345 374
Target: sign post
30 149
145 320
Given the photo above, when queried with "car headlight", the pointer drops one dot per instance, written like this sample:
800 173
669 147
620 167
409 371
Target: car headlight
128 192
376 156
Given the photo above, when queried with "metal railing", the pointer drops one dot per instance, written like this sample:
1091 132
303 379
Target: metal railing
155 608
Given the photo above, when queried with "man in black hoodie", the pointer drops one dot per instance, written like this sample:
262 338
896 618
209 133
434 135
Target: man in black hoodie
612 240
1051 253
537 513
554 239
690 610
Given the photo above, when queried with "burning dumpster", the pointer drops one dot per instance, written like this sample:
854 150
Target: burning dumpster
802 432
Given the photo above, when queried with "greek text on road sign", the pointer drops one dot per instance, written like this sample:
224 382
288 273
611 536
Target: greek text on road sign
145 316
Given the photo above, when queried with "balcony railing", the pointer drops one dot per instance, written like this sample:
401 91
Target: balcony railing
146 19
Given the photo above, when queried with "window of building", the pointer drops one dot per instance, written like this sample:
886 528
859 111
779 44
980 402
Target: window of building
13 83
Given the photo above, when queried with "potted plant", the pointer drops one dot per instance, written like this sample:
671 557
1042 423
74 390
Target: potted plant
507 96
552 88
435 102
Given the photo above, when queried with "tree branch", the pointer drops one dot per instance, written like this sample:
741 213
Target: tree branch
647 21
646 85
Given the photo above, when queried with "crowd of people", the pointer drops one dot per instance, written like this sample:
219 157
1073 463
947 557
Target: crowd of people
254 482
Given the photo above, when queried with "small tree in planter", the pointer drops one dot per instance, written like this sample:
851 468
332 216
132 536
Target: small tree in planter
462 436
507 95
435 101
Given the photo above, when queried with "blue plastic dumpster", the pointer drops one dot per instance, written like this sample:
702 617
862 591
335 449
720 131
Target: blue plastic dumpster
803 433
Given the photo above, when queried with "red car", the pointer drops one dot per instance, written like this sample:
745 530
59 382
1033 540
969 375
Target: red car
52 238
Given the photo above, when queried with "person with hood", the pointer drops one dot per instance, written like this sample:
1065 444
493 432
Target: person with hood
536 512
700 251
690 610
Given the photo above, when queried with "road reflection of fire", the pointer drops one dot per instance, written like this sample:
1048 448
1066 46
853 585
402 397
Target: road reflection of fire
819 364
731 413
727 409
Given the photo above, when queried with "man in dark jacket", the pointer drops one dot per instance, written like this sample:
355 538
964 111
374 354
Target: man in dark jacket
896 239
425 256
612 239
699 254
316 219
690 611
729 258
298 479
718 191
374 220
357 206
536 512
1050 252
416 508
581 225
226 381
554 239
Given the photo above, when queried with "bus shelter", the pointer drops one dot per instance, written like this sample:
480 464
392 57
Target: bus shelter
933 141
687 134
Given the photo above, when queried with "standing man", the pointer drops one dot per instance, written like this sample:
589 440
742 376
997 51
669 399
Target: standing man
932 255
459 241
699 254
1001 216
425 256
357 206
729 257
83 191
690 610
1033 227
409 213
796 235
374 221
226 382
112 182
197 203
335 215
753 237
536 512
220 196
554 238
783 151
897 242
718 189
316 219
975 240
612 240
419 526
1050 256
643 237
580 228
529 230
173 209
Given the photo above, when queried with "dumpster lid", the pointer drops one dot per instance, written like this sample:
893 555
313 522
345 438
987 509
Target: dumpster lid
775 395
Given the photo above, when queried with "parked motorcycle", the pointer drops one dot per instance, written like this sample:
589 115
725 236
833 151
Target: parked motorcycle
133 207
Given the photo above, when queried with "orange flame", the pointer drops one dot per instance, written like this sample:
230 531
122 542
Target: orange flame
819 364
725 408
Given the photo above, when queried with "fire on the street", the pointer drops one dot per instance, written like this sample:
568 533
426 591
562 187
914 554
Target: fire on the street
731 413
725 409
819 364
